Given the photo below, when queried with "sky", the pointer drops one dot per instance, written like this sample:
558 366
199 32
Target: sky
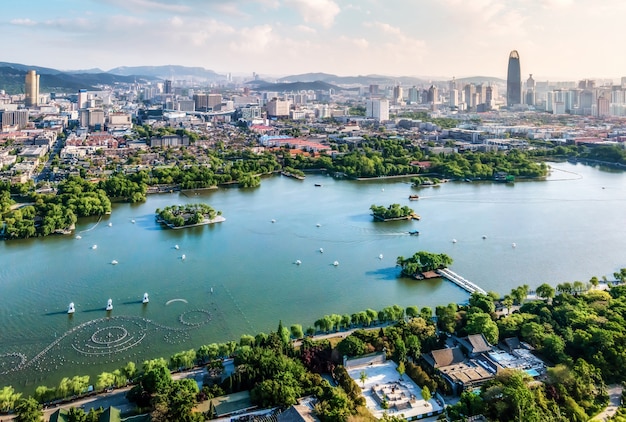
556 39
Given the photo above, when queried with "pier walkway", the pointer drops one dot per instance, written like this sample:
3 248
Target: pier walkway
460 281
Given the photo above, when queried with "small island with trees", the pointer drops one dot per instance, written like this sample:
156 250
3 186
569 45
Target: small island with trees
182 216
393 212
422 262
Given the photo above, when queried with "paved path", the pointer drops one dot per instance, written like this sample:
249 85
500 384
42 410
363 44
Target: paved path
615 398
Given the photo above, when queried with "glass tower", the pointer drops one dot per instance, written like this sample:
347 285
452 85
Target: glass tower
513 80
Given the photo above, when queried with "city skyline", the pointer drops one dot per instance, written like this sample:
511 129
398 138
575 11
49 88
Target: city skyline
558 39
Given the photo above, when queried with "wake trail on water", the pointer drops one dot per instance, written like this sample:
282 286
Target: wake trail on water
94 226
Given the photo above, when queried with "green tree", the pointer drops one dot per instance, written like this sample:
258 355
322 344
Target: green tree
482 323
363 377
426 393
545 291
28 410
401 369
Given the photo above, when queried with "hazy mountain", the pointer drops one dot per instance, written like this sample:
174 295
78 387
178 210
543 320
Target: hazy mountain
169 72
298 86
12 77
94 70
354 80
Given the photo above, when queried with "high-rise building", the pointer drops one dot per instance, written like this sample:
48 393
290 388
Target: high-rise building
398 93
469 90
414 95
530 91
433 94
377 109
513 80
278 108
31 88
167 88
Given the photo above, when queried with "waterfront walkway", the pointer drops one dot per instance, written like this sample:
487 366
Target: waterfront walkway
466 285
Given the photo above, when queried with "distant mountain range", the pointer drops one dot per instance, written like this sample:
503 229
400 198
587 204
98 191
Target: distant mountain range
52 80
296 86
382 80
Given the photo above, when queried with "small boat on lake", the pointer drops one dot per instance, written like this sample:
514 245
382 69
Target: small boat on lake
114 262
414 233
71 309
94 247
145 298
318 185
414 197
336 263
109 306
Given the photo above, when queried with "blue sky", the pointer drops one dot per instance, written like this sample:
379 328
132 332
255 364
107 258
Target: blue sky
566 39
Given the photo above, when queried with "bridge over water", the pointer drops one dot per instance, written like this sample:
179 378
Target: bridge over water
463 283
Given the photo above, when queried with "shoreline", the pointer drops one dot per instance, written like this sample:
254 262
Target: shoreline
218 219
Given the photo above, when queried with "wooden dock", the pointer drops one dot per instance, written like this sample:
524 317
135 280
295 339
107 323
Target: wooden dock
466 285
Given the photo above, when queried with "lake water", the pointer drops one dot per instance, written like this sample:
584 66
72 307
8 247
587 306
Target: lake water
240 277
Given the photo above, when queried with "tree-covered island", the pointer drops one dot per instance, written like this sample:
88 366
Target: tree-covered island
421 262
181 216
393 212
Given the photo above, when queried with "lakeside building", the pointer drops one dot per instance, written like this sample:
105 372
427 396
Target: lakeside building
377 109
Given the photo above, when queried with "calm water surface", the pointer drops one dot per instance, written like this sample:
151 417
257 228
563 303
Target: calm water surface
240 276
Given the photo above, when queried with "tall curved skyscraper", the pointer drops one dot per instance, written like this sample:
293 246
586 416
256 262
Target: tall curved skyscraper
513 80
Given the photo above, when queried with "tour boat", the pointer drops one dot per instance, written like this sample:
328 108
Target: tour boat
145 298
71 309
109 305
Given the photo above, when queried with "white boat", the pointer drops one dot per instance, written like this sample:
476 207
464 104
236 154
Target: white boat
114 262
484 236
321 250
109 305
145 298
336 263
513 244
298 262
183 257
71 309
78 237
380 256
273 221
211 290
318 225
453 240
94 247
132 221
176 247
110 224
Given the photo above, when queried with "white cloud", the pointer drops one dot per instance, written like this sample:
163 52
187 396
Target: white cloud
322 12
252 40
23 22
305 29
